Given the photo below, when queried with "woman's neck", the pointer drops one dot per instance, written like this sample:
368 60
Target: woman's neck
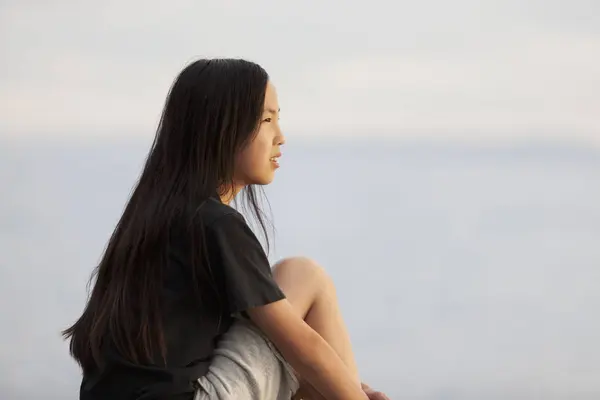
228 195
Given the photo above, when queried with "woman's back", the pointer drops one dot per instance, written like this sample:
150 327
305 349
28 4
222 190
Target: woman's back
195 312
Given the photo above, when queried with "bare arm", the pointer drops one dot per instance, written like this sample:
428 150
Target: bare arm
307 352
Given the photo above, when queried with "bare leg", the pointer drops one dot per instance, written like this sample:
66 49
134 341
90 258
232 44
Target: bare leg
312 294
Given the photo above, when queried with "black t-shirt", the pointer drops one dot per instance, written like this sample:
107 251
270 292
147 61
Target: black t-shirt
193 328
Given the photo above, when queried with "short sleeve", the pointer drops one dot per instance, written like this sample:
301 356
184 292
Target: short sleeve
248 280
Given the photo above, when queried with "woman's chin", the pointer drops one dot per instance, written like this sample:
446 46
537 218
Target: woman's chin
260 181
265 180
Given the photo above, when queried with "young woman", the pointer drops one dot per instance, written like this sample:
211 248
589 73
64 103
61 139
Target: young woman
185 304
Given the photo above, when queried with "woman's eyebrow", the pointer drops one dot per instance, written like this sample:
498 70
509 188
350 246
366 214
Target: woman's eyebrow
272 110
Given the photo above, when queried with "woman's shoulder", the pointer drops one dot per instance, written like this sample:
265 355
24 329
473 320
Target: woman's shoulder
213 212
211 217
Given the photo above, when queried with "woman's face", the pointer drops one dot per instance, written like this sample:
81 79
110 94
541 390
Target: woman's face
257 163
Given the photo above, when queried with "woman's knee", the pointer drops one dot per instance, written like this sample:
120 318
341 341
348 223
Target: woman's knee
302 279
300 270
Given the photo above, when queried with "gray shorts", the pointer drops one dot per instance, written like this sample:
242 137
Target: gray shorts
246 365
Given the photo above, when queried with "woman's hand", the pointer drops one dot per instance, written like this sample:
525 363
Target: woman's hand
372 393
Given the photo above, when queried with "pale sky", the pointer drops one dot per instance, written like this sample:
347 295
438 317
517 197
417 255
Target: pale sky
472 70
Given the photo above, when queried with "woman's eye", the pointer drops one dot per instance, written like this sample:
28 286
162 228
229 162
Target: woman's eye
267 120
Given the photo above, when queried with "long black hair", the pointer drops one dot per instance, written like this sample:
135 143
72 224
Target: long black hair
212 111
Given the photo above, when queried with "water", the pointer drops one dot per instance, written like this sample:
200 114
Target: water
463 272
